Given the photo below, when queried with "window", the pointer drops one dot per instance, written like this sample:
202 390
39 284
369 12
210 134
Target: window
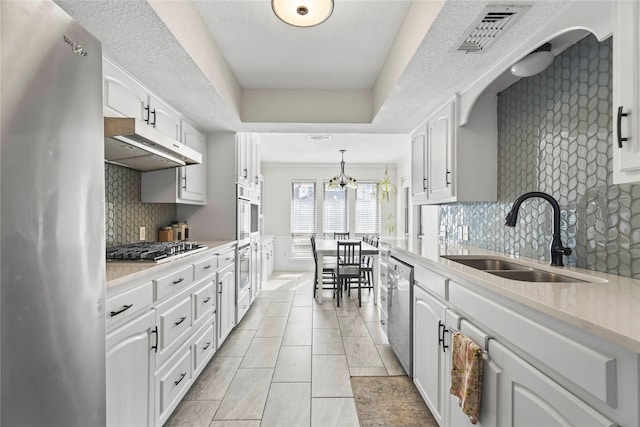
303 218
367 209
334 211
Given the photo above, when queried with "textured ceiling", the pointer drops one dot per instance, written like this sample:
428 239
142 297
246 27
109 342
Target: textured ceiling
134 37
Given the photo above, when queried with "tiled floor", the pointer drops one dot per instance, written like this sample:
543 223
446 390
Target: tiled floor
289 362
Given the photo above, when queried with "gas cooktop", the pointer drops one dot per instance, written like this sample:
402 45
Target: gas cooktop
157 252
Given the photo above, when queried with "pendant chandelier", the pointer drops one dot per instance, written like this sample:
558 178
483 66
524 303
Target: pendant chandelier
302 13
342 180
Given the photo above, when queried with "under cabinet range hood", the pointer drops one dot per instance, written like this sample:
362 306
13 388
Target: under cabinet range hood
132 143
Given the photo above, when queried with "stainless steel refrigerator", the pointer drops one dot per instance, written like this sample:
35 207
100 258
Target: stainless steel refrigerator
52 333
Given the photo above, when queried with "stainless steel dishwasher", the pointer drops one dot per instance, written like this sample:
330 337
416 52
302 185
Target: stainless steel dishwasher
400 330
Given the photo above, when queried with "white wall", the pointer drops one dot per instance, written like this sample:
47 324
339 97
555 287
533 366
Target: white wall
277 202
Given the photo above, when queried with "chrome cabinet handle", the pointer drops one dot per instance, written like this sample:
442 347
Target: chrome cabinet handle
441 331
206 300
206 346
155 346
208 266
175 282
619 126
124 308
182 319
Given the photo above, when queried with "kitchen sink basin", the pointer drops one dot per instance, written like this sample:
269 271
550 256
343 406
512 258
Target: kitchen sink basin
534 276
487 263
510 270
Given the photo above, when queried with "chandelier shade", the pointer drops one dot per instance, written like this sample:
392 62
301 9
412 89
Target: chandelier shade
302 13
342 180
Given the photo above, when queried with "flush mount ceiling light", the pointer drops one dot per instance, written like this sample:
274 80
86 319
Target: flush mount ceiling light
302 13
534 63
319 137
342 180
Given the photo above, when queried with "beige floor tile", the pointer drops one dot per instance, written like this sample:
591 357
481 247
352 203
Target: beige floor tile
330 376
297 334
368 371
288 405
352 326
327 341
305 288
390 360
330 412
251 320
361 351
262 353
236 343
272 327
193 414
294 365
278 309
376 333
302 300
235 423
370 312
265 294
246 396
325 319
285 296
300 315
327 302
214 381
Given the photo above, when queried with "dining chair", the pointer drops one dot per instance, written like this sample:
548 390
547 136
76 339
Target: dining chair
348 267
340 236
328 274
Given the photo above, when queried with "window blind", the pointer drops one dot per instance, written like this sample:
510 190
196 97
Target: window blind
303 218
334 212
367 208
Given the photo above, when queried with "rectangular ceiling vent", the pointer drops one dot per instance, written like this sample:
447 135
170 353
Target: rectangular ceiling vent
490 25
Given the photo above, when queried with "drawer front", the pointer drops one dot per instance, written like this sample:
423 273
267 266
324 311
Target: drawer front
243 306
174 322
205 267
173 282
173 383
562 354
431 281
204 301
226 258
204 347
127 304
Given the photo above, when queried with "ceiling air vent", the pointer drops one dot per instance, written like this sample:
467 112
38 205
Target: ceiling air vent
490 25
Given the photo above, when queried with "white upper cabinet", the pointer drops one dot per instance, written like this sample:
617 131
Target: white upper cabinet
419 166
626 93
193 179
164 118
122 95
247 159
452 163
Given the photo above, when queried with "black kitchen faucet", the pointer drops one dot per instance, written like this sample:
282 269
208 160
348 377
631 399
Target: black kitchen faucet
557 249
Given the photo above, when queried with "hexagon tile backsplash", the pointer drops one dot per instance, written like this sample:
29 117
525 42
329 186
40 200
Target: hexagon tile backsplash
125 213
555 135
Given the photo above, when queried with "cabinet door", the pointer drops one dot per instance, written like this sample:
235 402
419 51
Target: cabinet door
626 93
122 96
528 398
242 157
164 118
226 301
193 179
419 183
428 355
254 163
440 134
130 359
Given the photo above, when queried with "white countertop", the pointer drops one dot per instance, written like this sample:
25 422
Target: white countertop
119 272
606 305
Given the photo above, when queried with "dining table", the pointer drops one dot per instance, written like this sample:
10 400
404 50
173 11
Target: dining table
329 248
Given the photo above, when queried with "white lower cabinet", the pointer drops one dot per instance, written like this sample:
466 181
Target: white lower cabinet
529 398
226 302
157 347
130 362
172 382
429 355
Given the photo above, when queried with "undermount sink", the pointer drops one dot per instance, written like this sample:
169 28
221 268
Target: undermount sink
511 270
487 263
534 276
